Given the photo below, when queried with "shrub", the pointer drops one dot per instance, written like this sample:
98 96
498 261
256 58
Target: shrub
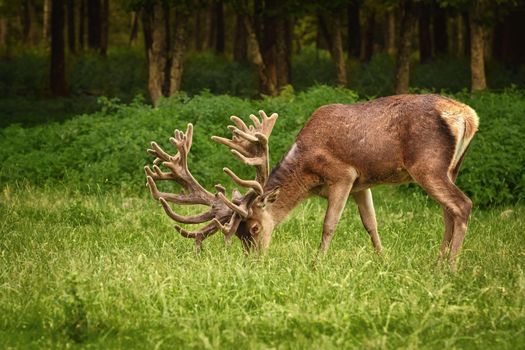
106 150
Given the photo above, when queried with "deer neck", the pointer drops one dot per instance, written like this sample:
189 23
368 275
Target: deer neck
294 185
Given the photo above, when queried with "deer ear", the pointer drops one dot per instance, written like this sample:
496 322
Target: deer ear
270 196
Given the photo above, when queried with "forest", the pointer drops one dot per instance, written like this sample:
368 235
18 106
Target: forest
89 260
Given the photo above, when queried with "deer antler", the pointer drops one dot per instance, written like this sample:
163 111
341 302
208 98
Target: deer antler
220 212
250 145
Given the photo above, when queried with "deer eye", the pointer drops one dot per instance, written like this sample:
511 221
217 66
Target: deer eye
255 228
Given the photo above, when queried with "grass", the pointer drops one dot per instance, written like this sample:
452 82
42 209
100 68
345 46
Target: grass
108 271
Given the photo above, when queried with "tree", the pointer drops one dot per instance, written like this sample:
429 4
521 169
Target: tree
408 22
104 27
93 24
477 60
70 4
354 29
58 58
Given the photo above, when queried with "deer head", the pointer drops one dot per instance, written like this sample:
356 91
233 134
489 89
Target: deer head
242 215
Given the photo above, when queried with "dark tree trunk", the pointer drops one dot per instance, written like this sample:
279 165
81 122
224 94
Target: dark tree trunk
239 43
198 31
425 39
104 27
477 60
219 22
324 32
134 24
58 57
266 85
390 33
354 29
157 52
408 23
283 53
338 53
367 49
269 39
3 31
46 12
334 41
440 31
507 33
211 27
81 24
178 52
466 25
71 25
28 22
146 18
93 19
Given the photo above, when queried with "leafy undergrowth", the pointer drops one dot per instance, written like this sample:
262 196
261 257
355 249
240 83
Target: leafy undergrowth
109 271
105 151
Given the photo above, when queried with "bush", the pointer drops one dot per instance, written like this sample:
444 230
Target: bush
106 150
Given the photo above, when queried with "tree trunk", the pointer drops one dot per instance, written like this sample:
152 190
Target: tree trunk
81 24
266 85
440 31
71 25
338 53
239 43
28 22
325 33
134 24
219 22
93 19
408 22
390 33
157 51
179 50
425 40
283 54
477 61
104 27
367 45
3 31
459 30
198 31
58 57
354 29
46 19
210 27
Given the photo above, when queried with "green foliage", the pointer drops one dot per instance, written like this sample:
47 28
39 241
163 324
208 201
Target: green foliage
106 150
130 281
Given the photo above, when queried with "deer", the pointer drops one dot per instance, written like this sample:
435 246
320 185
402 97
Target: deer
342 151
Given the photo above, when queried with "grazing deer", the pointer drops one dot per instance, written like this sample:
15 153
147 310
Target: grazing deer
342 151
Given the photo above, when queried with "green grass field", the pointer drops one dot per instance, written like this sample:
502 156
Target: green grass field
109 271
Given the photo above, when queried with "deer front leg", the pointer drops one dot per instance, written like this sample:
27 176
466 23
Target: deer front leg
365 204
337 196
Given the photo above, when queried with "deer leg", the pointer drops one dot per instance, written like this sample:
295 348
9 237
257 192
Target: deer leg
447 237
448 218
455 203
365 205
337 196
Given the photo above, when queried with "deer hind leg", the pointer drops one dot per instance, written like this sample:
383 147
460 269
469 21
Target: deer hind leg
457 206
365 205
448 218
337 196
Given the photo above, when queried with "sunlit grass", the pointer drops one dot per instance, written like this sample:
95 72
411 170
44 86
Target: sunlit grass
110 271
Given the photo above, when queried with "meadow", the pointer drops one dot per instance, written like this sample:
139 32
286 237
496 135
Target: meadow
109 271
89 260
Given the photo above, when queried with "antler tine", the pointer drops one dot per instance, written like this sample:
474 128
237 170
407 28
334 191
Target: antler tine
244 183
192 219
194 193
250 145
